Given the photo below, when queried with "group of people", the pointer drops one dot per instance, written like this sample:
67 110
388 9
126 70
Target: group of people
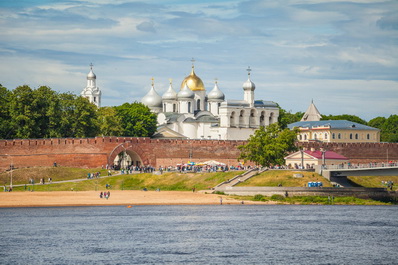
93 175
105 194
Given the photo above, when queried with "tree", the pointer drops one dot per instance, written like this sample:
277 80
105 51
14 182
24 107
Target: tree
137 119
79 117
286 117
5 119
21 112
110 124
268 146
346 117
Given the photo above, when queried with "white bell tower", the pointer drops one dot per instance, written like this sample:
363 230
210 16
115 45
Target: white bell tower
92 92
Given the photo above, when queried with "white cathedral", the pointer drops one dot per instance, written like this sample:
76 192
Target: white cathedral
190 113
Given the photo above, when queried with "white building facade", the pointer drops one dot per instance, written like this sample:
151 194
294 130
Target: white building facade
194 114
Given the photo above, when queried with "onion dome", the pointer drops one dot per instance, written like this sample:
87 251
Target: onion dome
152 99
170 94
216 94
185 93
193 81
249 85
91 74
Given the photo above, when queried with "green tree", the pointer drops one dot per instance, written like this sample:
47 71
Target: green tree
346 117
286 117
268 146
389 130
79 116
110 124
46 113
5 119
21 112
137 119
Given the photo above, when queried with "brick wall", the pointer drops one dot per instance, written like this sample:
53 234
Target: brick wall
99 151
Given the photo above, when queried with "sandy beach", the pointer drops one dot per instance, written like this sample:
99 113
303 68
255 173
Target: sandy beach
91 198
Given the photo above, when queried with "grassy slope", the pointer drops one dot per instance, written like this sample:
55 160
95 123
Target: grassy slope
374 181
273 178
166 181
21 176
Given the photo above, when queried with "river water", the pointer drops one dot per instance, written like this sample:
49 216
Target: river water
217 234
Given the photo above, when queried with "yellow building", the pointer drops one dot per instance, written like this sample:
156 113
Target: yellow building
333 131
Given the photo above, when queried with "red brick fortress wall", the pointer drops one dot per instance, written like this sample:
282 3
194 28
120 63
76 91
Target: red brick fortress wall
99 151
359 152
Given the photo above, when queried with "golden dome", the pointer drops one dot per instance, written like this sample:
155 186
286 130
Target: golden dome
193 82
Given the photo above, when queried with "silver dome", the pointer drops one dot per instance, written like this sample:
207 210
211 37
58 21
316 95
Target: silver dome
170 94
249 85
91 75
152 99
185 93
216 94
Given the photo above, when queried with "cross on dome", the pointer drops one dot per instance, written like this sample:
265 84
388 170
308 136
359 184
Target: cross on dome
248 70
91 66
193 62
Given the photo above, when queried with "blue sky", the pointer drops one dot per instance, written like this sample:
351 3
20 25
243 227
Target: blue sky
341 54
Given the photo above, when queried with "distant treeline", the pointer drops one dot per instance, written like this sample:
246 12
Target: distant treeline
44 113
388 126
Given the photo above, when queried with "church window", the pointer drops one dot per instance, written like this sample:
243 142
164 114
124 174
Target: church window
189 107
271 117
198 104
95 99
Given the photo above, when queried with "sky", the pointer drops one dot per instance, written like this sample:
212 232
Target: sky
343 55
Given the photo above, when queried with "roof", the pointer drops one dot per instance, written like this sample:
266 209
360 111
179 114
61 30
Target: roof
312 113
333 124
328 155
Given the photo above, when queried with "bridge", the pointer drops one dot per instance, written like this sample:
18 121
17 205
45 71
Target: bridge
371 169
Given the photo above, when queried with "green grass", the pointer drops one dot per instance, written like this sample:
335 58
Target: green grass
168 181
273 178
374 181
306 200
22 176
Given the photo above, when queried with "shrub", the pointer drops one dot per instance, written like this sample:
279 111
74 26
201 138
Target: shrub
258 197
277 197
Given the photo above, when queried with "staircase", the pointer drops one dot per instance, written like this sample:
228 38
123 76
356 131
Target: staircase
238 179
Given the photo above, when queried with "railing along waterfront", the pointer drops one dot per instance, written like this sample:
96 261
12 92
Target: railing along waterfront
361 166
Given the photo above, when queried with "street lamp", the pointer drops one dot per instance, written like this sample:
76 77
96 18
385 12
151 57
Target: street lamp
323 158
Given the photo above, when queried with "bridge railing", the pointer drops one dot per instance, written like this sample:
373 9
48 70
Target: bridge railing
361 166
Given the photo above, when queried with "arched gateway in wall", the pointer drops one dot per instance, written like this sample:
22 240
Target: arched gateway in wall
136 154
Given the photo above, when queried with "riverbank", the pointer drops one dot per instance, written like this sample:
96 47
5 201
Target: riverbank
117 197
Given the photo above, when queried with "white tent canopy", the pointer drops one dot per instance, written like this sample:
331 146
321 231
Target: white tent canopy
213 163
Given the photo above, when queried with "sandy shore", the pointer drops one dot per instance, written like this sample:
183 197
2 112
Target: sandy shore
91 198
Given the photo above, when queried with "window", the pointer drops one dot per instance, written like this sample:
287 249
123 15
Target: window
368 136
333 136
189 107
198 105
300 137
305 137
356 136
326 136
95 99
339 136
350 135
